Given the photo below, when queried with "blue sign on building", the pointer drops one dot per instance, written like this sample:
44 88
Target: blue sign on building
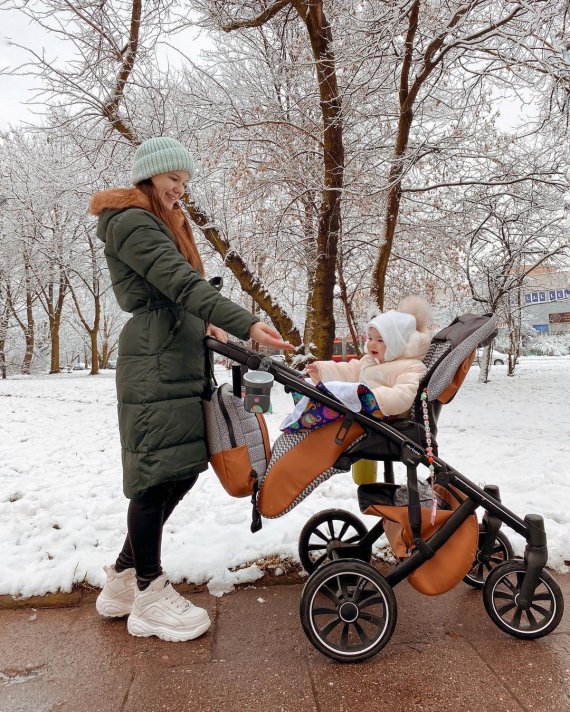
540 327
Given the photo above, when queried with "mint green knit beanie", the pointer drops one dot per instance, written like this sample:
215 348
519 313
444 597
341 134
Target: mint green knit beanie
160 155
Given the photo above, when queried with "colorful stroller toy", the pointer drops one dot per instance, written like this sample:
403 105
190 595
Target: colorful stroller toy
348 608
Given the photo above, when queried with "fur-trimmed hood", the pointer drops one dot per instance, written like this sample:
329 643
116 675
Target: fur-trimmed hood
118 199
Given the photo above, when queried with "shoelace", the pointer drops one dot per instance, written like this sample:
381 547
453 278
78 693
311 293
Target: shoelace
178 601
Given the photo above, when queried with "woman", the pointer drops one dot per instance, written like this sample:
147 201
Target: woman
162 375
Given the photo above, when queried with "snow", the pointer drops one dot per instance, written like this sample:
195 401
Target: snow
63 514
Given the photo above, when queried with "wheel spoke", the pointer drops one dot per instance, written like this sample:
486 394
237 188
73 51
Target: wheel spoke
343 531
503 594
330 523
344 637
532 620
350 539
517 617
480 571
328 629
496 560
509 584
371 618
343 584
321 611
316 547
322 536
361 633
331 595
506 608
360 591
542 597
317 562
371 601
544 611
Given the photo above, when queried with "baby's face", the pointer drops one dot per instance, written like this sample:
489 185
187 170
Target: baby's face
375 345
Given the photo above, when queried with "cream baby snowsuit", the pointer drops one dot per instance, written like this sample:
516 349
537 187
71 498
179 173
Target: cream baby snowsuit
395 381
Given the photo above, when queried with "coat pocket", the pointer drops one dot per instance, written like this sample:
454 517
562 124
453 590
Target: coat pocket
177 359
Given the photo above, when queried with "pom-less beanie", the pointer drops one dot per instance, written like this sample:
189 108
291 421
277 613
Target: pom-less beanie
160 155
395 328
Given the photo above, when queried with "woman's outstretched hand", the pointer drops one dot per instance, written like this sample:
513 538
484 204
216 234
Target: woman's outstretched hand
267 336
216 333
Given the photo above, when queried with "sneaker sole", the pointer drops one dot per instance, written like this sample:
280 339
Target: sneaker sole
111 609
140 629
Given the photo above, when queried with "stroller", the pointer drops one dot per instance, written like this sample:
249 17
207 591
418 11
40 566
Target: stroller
348 609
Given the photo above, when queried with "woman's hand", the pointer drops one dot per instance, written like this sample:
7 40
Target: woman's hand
266 336
216 333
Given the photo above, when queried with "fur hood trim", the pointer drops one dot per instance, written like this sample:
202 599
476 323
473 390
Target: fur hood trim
118 199
122 199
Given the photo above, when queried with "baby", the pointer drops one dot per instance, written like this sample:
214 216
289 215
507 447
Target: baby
392 369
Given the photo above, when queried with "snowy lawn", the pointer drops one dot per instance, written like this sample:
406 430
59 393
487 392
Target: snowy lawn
63 514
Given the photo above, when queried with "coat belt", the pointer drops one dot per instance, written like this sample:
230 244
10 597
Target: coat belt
151 306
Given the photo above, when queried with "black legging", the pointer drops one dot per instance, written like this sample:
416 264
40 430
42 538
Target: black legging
145 520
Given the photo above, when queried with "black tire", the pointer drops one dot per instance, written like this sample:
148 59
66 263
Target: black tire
502 551
498 362
348 610
324 527
500 594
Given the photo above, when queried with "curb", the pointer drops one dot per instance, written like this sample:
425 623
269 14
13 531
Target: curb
83 593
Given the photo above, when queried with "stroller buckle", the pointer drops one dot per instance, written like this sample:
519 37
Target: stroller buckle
345 426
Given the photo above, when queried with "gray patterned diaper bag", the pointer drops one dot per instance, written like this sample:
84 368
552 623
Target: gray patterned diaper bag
238 442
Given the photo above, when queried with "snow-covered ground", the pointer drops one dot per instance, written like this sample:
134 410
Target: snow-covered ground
63 515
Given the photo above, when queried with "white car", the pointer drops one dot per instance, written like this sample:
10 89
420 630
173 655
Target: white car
497 358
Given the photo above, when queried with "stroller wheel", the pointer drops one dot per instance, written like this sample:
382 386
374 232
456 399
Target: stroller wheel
500 594
332 525
348 610
502 551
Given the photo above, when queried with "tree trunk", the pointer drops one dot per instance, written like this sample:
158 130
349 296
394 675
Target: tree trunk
94 337
394 196
328 230
4 319
29 327
54 315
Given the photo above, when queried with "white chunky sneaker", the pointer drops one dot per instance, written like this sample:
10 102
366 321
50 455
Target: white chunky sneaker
116 598
159 610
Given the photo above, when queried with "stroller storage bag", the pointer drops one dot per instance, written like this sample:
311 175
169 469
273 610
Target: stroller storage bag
450 563
238 442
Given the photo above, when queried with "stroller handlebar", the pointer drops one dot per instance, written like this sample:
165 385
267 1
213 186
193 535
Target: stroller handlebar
246 357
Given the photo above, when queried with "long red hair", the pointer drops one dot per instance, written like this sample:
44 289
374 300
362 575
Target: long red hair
176 222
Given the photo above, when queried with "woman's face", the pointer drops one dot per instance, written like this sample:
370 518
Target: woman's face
375 344
170 187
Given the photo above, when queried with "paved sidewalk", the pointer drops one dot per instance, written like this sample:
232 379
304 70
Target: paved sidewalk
445 654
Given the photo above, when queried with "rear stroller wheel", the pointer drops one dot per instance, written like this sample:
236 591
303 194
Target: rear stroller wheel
348 610
500 596
330 526
502 551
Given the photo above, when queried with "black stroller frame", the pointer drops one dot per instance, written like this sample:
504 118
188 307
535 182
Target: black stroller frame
512 588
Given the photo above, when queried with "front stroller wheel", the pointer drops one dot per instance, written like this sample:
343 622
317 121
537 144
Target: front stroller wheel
348 610
326 529
502 551
500 596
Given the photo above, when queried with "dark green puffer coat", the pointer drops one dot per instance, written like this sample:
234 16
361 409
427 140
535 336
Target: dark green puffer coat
161 368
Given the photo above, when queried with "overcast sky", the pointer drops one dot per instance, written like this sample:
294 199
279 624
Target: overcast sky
15 91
